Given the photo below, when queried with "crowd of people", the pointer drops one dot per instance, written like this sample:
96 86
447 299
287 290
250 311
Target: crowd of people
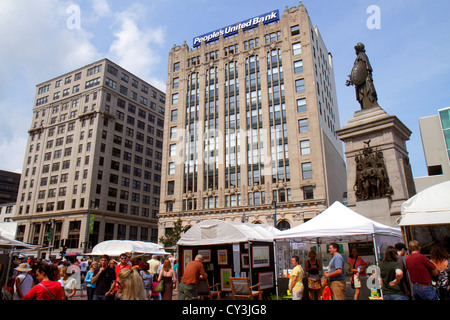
400 277
105 279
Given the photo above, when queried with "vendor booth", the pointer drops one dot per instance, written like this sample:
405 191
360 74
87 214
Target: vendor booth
341 225
425 217
231 249
8 248
115 248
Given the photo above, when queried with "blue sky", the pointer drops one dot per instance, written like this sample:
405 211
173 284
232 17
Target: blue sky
43 39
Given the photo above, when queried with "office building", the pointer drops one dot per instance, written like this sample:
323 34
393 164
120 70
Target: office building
435 134
92 167
9 186
251 115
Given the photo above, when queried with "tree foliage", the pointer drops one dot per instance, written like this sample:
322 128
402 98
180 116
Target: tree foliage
172 236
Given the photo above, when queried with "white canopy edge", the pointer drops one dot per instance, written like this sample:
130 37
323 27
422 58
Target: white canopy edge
117 247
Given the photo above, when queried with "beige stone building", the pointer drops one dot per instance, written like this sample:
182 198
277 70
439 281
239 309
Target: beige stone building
250 125
94 154
435 134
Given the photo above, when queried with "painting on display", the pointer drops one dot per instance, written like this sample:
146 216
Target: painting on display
260 256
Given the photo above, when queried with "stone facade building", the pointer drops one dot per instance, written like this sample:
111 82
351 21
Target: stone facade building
251 115
92 167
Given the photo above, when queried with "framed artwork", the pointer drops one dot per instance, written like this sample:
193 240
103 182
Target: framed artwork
206 254
266 279
245 263
222 257
225 275
187 257
260 256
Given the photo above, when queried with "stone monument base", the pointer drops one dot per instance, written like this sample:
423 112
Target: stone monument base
380 210
377 140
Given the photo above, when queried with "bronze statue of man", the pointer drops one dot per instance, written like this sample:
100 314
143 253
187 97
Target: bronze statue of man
361 78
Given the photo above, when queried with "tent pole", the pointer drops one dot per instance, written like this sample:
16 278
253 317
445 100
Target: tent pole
250 259
375 248
376 260
275 256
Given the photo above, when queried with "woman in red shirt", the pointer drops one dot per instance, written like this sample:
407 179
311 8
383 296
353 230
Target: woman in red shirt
47 289
358 267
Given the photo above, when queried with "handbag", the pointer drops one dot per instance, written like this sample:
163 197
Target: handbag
354 279
160 287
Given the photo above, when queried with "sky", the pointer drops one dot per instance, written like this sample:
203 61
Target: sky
406 42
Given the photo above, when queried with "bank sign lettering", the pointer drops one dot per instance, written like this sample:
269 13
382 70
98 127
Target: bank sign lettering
234 28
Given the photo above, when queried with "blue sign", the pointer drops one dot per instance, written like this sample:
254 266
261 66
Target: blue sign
234 28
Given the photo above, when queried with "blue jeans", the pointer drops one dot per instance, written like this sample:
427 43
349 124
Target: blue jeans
424 293
102 297
395 297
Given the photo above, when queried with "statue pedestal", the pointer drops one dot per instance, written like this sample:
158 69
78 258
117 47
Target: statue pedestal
387 134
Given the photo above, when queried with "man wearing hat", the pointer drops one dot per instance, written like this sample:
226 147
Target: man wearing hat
194 271
23 282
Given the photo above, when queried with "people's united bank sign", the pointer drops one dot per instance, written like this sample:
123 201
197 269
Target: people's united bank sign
234 28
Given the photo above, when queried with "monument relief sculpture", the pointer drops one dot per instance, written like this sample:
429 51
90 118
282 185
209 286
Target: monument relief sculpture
372 181
361 78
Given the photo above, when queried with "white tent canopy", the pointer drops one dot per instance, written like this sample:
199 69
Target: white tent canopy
6 242
8 234
430 206
117 247
213 231
338 223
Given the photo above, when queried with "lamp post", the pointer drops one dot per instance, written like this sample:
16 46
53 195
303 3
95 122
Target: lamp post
51 236
274 206
89 225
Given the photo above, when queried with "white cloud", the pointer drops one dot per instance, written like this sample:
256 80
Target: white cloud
134 46
36 46
38 43
101 8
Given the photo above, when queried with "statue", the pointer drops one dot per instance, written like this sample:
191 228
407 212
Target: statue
361 78
372 181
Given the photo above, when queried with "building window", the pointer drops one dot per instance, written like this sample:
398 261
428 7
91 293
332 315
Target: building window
306 170
283 225
74 234
308 193
295 30
256 198
174 115
303 125
298 66
175 98
176 66
304 147
173 132
296 48
176 83
301 105
282 195
170 187
173 150
299 85
110 83
172 168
